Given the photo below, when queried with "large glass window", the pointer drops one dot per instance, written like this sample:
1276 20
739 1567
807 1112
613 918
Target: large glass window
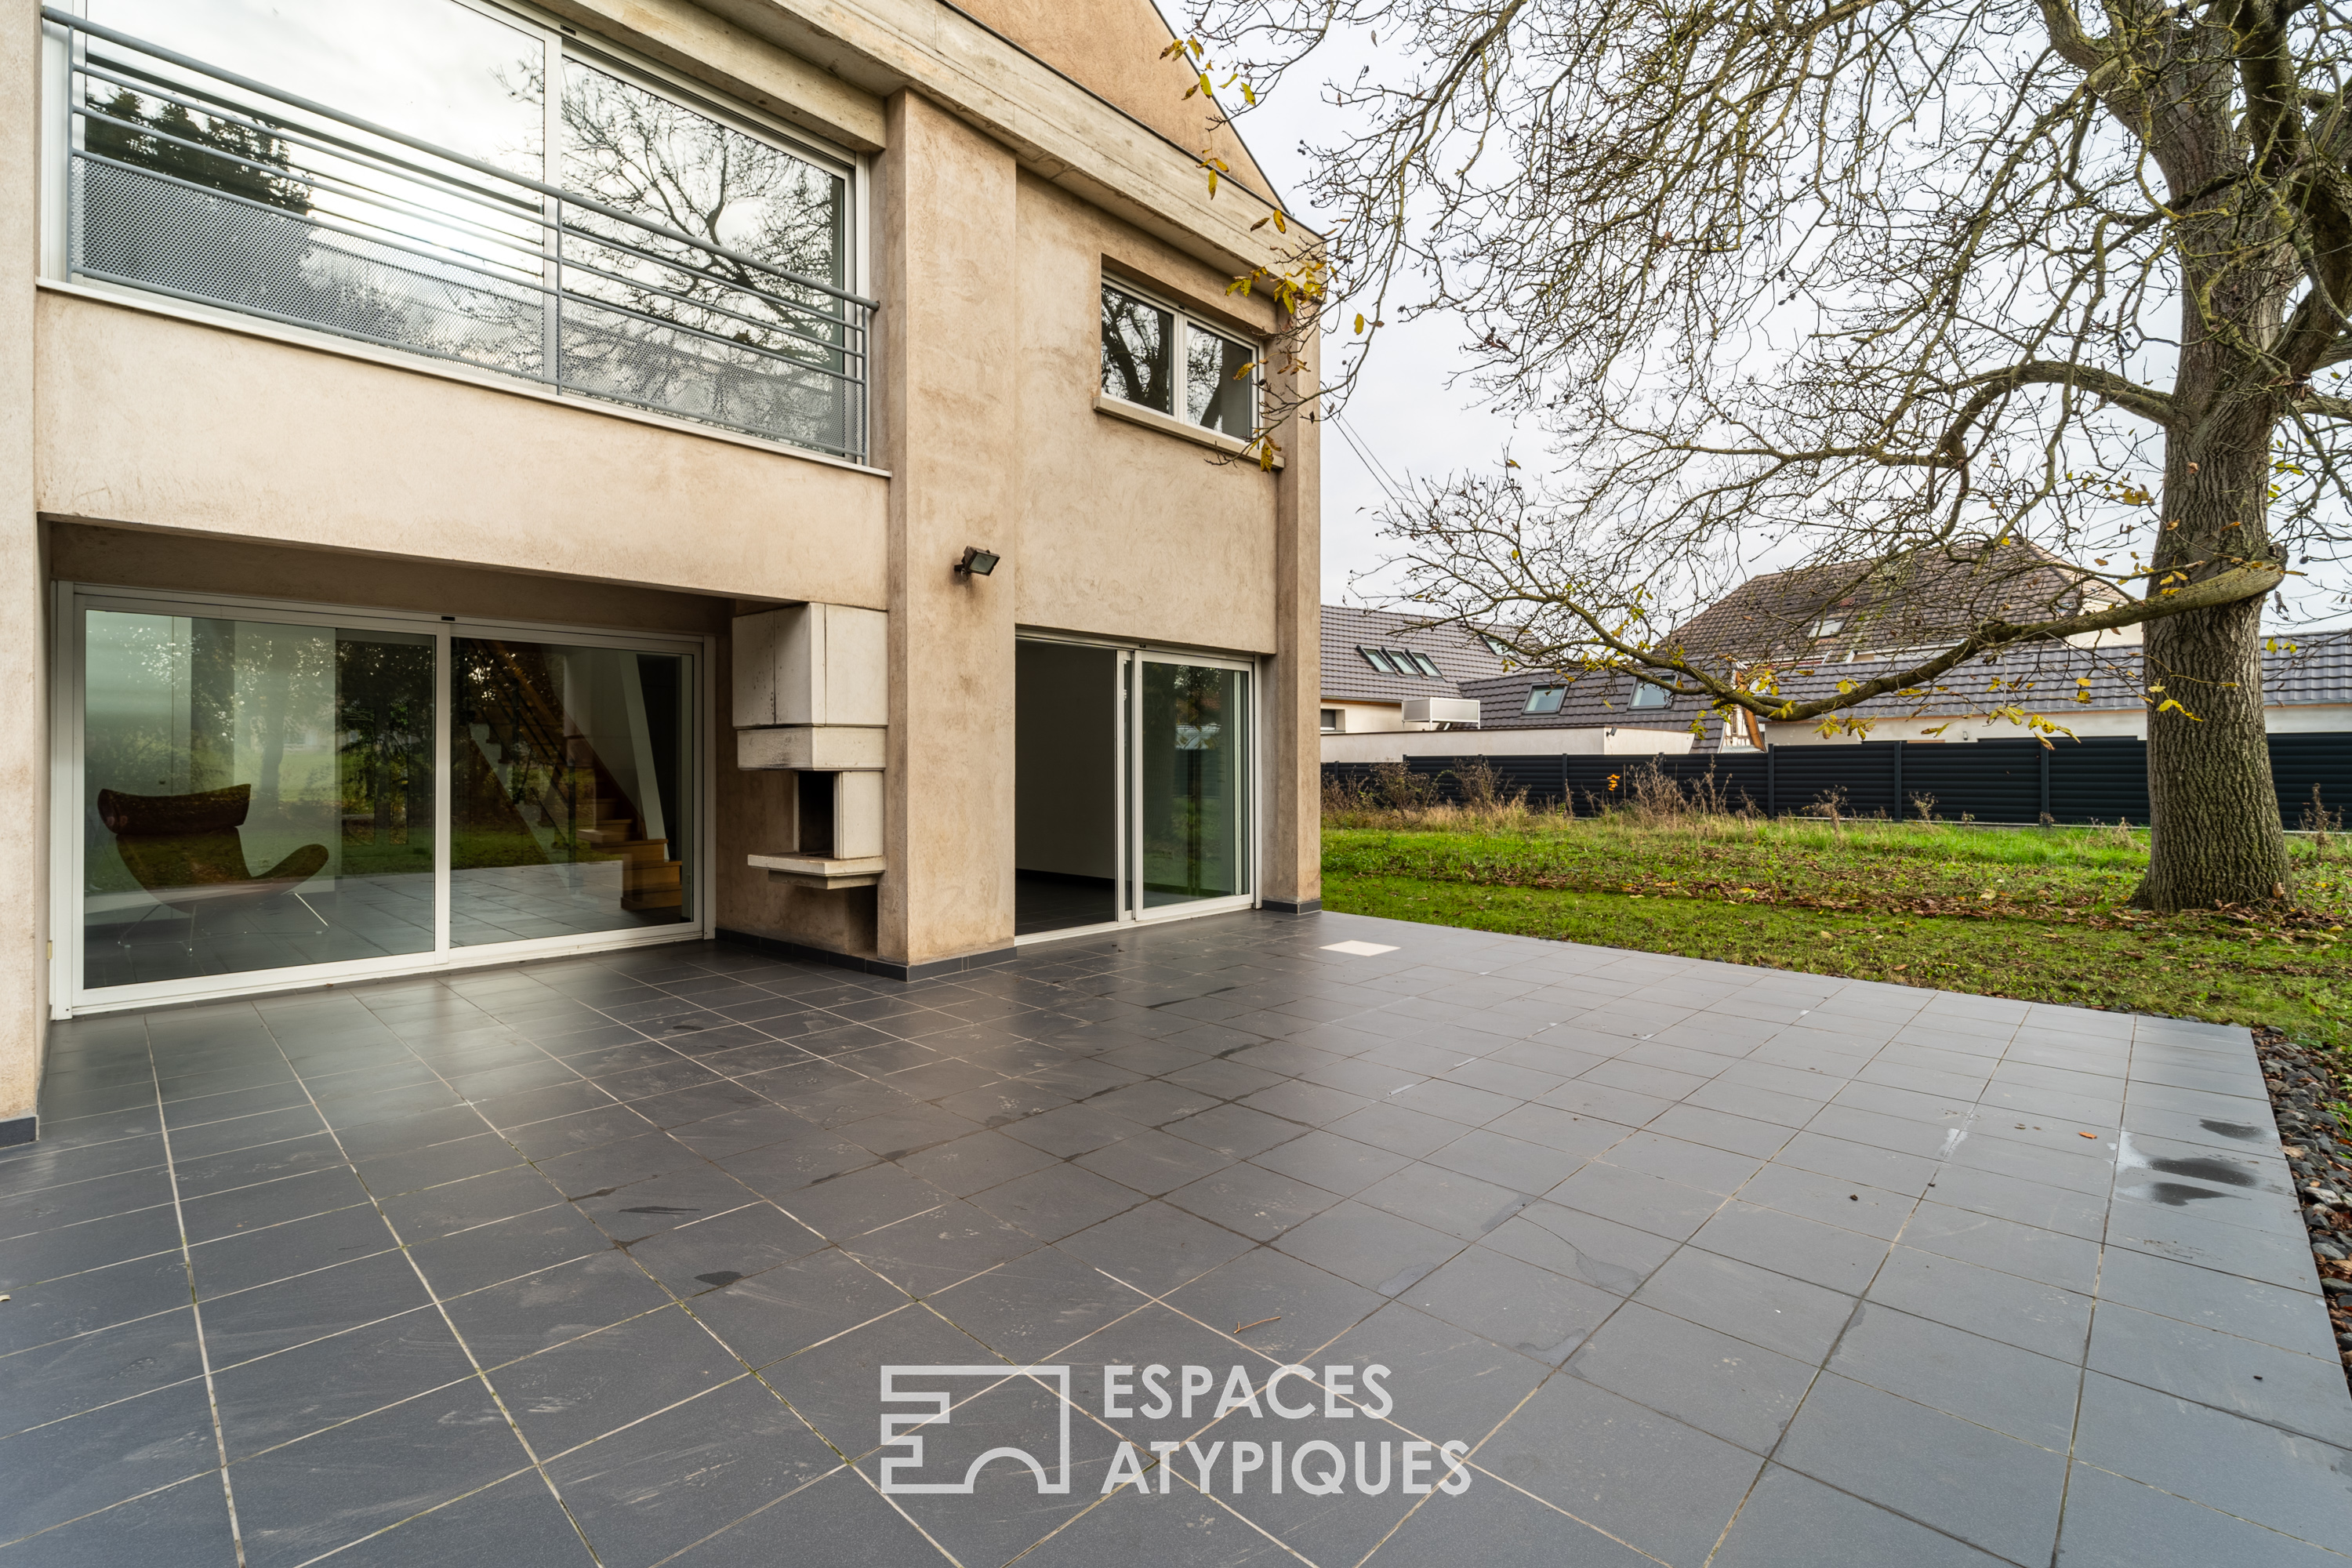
647 249
1190 769
1142 344
566 805
255 796
265 795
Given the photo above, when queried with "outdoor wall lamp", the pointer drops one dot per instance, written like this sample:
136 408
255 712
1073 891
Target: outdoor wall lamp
976 562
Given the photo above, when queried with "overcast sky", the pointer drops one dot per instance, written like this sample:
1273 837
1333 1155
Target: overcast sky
1410 416
1403 415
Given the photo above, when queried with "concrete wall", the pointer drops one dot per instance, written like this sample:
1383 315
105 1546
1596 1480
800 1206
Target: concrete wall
144 417
24 708
947 257
1126 531
1115 49
1066 786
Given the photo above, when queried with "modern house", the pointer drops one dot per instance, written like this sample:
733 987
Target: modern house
1388 674
489 480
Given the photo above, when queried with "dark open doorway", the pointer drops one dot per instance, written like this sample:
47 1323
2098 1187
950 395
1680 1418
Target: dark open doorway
1065 786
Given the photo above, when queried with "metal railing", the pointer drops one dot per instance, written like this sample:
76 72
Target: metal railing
289 210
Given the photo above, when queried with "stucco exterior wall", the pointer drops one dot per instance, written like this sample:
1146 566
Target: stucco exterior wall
1116 49
947 257
24 710
1126 531
145 418
147 558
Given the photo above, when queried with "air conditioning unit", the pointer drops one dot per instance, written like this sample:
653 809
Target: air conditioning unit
1441 710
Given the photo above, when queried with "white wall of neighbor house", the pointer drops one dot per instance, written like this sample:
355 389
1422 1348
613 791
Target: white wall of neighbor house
1393 745
1366 718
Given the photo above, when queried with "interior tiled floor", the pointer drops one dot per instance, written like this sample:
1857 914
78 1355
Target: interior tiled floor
607 1261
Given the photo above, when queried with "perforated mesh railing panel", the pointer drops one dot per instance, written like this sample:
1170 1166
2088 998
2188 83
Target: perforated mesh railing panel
142 228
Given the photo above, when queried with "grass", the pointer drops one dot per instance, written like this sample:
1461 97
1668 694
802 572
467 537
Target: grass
2036 913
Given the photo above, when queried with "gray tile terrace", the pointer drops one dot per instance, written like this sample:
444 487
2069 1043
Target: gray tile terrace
604 1261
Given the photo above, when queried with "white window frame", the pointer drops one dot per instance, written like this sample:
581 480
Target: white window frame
69 997
1186 323
1129 729
1529 709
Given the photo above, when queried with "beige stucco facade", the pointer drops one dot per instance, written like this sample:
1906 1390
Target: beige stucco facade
1010 158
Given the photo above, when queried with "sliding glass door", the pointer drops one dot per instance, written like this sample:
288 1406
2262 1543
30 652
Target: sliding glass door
255 796
566 812
261 796
1189 780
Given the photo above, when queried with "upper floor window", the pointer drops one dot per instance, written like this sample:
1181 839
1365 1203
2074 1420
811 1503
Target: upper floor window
1334 721
1545 699
1143 344
462 182
1648 696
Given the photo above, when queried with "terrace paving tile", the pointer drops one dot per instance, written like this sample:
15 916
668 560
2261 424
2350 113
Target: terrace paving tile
1677 1245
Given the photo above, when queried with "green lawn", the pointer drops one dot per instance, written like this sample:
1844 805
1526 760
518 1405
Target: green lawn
2037 913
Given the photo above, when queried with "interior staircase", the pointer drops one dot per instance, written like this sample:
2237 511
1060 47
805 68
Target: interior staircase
575 792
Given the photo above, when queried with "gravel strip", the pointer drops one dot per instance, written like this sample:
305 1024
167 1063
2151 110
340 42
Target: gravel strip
2309 1089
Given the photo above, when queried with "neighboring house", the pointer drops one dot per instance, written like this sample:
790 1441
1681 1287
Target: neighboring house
2306 688
1861 612
489 483
1385 673
1817 633
2306 685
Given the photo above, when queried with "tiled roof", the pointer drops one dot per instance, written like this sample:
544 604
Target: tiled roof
1597 700
1916 600
2303 670
1458 655
2316 669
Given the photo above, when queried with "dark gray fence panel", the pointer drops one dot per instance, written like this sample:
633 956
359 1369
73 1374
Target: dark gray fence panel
2100 779
2103 778
2298 762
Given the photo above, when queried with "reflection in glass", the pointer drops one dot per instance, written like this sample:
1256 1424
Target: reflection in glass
208 190
192 184
435 70
569 789
1190 769
679 312
1220 383
255 796
1138 351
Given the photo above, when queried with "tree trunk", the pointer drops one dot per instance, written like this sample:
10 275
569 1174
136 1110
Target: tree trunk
2216 837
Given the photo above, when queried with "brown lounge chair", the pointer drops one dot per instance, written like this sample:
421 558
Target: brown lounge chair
185 850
